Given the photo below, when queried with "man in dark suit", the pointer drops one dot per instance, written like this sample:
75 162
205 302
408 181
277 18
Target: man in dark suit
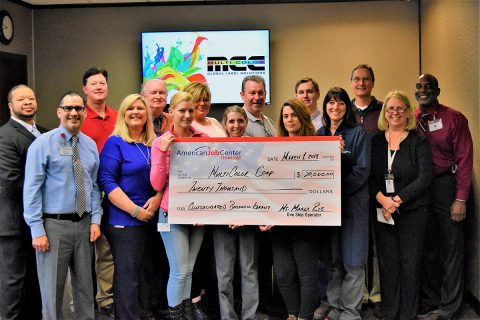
19 291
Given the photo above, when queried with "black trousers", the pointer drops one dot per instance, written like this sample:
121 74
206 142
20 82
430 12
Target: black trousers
19 290
204 276
399 253
442 272
295 262
134 277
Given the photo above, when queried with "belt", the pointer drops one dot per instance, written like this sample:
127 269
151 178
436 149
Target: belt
74 217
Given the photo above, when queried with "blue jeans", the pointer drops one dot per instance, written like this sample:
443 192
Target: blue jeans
182 244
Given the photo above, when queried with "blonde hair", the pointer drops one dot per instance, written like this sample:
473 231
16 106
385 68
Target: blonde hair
232 109
402 96
121 128
306 125
198 90
178 98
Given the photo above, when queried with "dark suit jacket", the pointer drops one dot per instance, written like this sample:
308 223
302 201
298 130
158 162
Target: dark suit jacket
14 142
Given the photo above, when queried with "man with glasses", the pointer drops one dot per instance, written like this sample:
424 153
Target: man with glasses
99 123
62 208
366 107
367 110
253 95
19 291
447 132
155 93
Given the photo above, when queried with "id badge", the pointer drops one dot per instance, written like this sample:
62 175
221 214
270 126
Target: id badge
435 124
66 151
163 225
389 185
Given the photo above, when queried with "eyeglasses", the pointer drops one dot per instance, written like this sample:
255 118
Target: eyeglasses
78 109
397 110
358 79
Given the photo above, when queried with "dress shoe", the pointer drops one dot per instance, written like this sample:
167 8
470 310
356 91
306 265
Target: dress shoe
443 317
107 310
321 311
425 311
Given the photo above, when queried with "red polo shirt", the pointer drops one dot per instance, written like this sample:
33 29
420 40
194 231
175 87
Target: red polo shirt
452 144
98 128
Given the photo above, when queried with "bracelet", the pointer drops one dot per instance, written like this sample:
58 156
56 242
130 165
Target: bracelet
136 211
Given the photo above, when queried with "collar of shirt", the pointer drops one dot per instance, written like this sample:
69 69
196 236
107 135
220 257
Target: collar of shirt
195 132
251 117
92 114
316 114
31 128
433 110
65 134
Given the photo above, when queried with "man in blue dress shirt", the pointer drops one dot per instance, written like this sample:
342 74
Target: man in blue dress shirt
62 233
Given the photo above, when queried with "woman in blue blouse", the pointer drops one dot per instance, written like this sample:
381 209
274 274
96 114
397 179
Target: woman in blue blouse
124 176
350 241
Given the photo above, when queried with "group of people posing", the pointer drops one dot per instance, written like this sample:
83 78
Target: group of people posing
406 175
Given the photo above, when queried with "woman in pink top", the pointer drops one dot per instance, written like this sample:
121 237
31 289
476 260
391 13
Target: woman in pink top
182 242
203 277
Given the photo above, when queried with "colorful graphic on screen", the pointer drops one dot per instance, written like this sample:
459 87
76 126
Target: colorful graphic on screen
220 58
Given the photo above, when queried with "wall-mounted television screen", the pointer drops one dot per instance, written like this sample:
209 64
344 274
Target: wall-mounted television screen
220 58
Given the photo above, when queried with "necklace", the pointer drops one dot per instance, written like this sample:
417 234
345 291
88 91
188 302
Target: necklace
147 157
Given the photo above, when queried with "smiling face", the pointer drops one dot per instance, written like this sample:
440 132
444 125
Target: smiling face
235 124
183 114
427 91
336 110
72 121
290 120
362 83
23 105
96 88
253 97
308 95
396 113
155 93
202 108
136 115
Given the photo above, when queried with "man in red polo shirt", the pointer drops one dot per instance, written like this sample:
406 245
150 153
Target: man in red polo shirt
101 118
98 125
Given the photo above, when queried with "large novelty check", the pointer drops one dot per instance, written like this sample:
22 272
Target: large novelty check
255 181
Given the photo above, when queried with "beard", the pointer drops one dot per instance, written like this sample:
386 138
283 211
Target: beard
24 116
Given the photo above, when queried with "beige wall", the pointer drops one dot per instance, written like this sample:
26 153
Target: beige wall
450 51
22 42
323 40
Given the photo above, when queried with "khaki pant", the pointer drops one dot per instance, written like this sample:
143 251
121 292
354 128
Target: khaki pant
104 270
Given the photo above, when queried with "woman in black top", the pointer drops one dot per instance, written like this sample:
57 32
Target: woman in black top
295 248
399 181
